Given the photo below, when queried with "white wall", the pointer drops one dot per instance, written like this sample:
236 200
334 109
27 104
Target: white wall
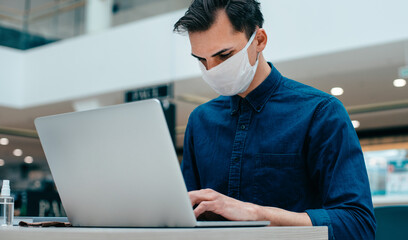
11 77
299 28
121 58
147 52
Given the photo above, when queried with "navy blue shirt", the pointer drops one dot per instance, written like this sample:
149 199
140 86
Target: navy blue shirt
285 145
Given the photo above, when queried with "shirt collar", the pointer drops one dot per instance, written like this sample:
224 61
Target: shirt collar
258 97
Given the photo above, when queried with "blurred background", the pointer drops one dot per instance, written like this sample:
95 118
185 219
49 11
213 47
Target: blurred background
60 56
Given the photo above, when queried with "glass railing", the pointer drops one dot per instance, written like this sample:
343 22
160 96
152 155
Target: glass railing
25 24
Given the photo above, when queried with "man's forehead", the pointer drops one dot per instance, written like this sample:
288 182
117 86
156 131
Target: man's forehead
210 42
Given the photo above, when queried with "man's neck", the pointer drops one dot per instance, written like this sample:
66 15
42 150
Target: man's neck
262 72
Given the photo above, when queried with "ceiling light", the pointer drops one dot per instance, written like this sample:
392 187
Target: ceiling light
337 91
4 141
1 162
28 160
399 82
18 152
356 124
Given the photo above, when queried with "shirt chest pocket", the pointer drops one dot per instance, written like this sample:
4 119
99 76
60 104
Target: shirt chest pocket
279 179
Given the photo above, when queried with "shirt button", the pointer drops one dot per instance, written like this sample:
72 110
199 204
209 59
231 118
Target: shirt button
242 126
236 159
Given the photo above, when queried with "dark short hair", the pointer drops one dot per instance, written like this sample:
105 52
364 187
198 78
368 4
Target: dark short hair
245 15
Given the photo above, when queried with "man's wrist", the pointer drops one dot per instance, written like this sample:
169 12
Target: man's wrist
259 213
281 217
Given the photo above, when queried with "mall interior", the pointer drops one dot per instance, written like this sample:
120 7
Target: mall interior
60 56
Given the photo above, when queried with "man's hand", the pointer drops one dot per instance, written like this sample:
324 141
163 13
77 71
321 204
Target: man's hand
208 200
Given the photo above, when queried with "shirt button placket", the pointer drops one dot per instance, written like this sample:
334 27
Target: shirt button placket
237 152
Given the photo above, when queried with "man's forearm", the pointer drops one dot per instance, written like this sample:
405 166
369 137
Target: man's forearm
280 217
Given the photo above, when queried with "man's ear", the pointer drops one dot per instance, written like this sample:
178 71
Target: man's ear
262 39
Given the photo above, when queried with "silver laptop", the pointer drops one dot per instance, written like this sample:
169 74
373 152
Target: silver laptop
116 167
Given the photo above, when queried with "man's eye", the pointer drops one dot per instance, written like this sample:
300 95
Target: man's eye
224 56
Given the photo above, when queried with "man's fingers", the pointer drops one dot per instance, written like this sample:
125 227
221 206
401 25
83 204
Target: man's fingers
196 197
205 206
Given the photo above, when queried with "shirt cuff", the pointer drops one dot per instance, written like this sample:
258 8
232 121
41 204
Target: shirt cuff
320 217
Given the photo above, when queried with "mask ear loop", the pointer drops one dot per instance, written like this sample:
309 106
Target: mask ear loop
254 35
251 39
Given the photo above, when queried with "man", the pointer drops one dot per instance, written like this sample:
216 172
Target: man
269 148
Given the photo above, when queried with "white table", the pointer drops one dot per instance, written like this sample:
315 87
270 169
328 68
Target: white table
379 201
254 233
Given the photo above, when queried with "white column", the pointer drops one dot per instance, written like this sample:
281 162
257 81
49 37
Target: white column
98 15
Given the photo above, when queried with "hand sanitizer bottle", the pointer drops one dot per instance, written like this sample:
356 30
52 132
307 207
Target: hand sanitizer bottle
6 205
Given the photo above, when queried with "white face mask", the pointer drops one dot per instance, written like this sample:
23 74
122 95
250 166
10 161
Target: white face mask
232 76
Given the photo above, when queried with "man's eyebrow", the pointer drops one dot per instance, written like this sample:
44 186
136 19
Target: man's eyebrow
222 51
215 54
192 54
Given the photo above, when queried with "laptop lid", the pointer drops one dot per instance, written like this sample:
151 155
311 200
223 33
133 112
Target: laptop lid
116 166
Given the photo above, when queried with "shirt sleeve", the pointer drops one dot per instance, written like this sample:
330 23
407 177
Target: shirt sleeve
336 167
188 164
